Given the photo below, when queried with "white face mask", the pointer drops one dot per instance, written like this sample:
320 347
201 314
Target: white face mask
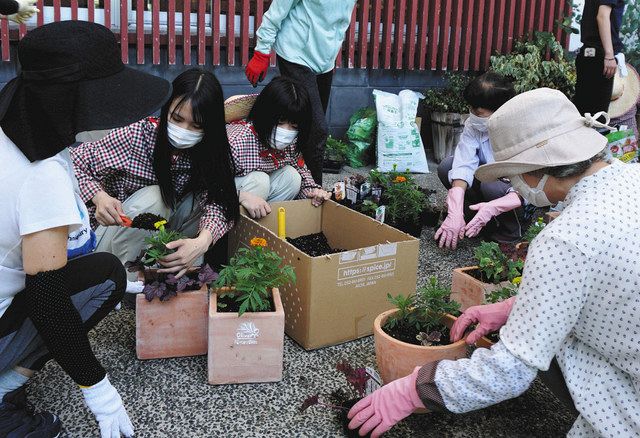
535 196
479 123
182 138
283 138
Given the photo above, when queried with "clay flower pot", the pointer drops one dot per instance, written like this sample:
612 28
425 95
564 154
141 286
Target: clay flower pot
174 328
246 349
468 290
397 359
550 216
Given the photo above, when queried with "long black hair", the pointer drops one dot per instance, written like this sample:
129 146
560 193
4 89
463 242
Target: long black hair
489 90
283 99
212 168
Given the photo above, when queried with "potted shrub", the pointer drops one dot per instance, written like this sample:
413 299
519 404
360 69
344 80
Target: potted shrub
171 313
470 285
361 382
334 155
448 112
528 67
246 319
416 332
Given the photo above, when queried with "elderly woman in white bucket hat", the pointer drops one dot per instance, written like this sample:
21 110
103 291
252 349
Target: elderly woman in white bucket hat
578 302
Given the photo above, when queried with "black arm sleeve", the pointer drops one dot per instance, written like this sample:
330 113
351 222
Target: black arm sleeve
8 7
60 326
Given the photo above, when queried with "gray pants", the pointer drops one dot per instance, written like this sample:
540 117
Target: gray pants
127 243
96 284
280 185
503 228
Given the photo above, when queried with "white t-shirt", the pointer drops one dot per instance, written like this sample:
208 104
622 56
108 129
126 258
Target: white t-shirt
33 197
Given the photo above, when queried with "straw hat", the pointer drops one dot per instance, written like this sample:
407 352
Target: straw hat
538 129
626 92
238 107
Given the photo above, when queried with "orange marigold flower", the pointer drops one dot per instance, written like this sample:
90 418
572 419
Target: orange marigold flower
400 179
258 241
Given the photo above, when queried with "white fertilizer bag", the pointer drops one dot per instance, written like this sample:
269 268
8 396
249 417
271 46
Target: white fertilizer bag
399 141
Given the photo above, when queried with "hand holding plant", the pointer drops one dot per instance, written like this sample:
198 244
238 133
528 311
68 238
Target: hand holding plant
157 249
253 272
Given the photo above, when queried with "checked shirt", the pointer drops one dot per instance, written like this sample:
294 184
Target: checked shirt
249 155
122 163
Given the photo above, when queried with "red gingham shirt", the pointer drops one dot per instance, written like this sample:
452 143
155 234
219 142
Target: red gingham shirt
249 155
122 163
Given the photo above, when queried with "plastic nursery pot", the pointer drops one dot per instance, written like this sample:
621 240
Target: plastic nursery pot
398 359
332 165
430 218
412 228
245 349
174 328
344 419
468 290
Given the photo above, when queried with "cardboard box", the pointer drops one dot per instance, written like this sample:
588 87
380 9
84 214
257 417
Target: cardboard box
336 297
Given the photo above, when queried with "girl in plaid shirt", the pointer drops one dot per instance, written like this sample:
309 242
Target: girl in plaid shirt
178 167
268 163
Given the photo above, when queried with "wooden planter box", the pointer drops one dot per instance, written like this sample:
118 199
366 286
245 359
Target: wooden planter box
469 291
398 359
550 216
246 349
174 328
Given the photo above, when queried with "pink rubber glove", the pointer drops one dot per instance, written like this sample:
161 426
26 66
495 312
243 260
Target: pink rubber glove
488 210
452 228
490 318
380 411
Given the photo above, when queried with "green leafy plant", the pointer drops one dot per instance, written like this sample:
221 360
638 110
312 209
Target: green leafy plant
369 208
494 264
501 294
629 33
448 99
534 229
253 272
157 248
528 68
423 311
336 148
404 201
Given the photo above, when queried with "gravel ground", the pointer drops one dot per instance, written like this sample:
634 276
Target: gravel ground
170 398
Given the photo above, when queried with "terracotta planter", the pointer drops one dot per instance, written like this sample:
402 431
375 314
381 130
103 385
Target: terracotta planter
174 328
246 349
469 291
397 359
550 216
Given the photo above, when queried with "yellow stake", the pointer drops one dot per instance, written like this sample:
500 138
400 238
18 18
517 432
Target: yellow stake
282 229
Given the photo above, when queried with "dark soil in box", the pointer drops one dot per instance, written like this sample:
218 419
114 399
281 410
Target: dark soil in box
408 335
314 245
232 306
146 221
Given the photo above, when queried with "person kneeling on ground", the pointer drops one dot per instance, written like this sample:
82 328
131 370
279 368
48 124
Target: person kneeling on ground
178 167
268 162
72 79
578 298
496 205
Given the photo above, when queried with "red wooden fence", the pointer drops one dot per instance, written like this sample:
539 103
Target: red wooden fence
399 34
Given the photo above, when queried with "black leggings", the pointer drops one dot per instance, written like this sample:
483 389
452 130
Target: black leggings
319 88
96 284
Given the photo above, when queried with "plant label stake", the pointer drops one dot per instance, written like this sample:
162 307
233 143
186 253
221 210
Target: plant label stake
282 223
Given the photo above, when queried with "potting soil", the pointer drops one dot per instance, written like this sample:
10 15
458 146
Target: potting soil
146 221
233 306
313 244
408 335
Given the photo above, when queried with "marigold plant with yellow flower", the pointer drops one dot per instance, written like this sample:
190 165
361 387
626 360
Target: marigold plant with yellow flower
254 271
157 248
258 241
400 179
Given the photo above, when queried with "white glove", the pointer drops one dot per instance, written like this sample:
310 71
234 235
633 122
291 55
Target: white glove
26 9
105 403
622 64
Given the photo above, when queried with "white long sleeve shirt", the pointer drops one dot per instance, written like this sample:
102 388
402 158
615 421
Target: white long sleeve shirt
579 301
472 151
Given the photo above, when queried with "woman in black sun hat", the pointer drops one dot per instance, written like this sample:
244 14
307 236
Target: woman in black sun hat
72 79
